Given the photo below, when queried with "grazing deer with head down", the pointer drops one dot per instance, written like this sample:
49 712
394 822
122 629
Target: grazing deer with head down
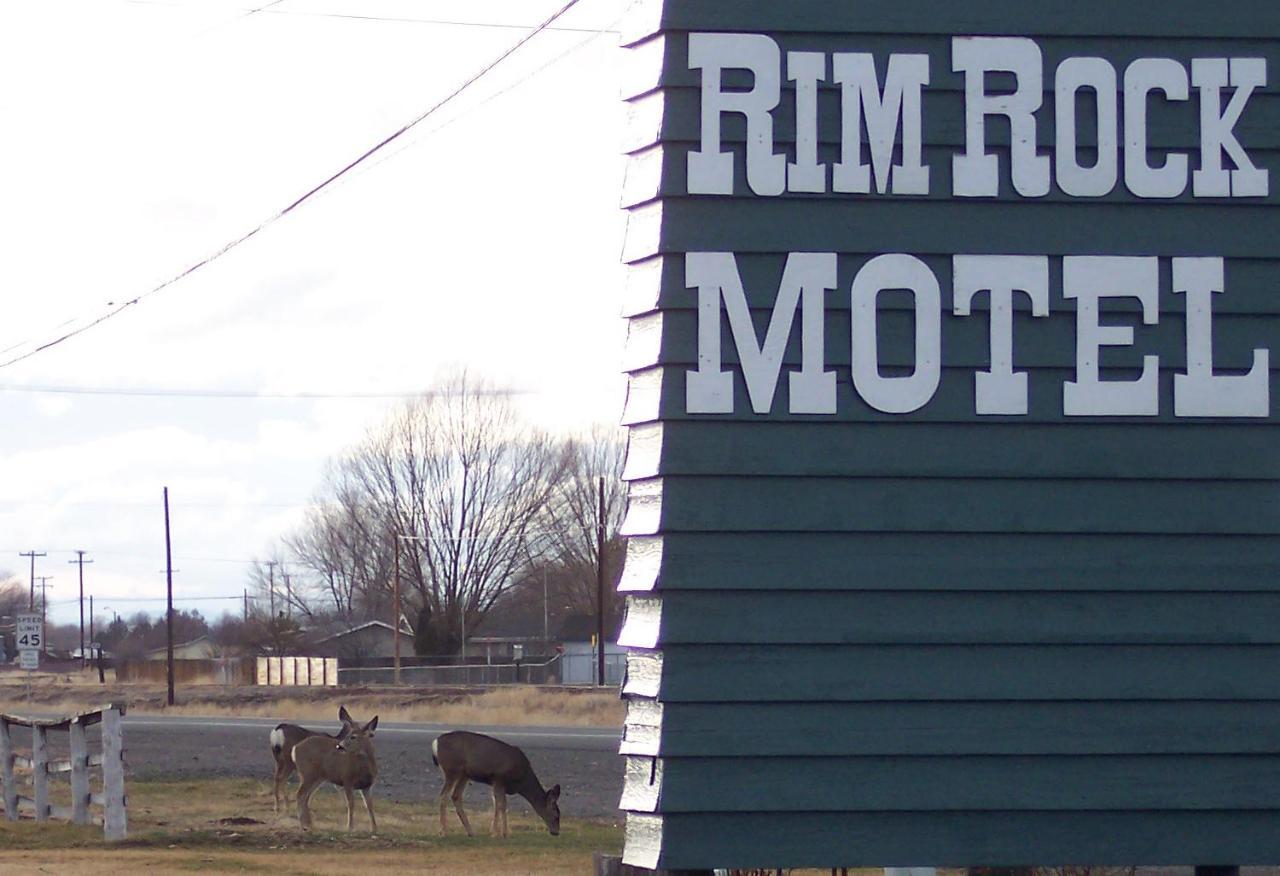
283 739
348 763
473 757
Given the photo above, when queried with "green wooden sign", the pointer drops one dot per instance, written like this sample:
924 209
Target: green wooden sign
954 516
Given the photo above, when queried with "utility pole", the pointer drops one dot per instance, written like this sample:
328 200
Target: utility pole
31 602
80 561
271 586
395 604
44 612
168 570
246 605
288 593
97 652
600 589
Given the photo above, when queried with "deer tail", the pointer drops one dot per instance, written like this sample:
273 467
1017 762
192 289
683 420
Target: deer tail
434 752
277 739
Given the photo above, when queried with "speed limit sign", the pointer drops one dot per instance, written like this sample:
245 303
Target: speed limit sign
30 632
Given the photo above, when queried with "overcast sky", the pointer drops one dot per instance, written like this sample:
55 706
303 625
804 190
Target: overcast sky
139 137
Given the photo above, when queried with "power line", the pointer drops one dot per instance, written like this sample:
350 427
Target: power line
116 310
134 599
443 22
243 394
524 80
433 21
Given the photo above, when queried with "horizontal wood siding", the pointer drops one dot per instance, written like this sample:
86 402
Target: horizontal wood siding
923 728
871 639
813 839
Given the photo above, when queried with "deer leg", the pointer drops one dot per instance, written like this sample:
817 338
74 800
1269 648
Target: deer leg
493 826
351 806
444 804
458 788
368 805
305 790
284 769
499 810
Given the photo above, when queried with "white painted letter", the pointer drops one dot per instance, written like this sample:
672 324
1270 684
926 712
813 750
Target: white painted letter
1098 75
860 96
1217 128
1142 77
1001 390
806 70
805 281
976 173
1200 392
1088 279
896 395
710 169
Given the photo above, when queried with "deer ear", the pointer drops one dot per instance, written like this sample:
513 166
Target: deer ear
344 732
344 716
371 726
554 793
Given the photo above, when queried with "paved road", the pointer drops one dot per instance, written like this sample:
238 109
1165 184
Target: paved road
583 760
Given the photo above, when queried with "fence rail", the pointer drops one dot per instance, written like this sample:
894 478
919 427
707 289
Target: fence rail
525 672
114 819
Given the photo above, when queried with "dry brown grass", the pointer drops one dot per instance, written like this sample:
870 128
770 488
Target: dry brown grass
228 826
514 705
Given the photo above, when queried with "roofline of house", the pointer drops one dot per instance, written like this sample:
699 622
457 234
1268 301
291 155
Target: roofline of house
363 626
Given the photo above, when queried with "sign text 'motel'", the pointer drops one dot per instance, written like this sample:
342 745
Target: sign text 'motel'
892 114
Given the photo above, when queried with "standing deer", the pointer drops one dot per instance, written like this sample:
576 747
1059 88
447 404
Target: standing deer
348 763
283 739
465 757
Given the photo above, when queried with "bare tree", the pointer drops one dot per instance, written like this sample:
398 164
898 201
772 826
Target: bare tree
460 486
277 589
346 546
575 516
13 594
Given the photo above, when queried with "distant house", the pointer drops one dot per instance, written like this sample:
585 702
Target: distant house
372 639
201 648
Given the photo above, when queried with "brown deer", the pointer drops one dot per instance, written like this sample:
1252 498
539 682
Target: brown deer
285 736
348 763
473 757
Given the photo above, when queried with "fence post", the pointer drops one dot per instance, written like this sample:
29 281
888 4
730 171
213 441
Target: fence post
114 819
40 771
6 772
79 772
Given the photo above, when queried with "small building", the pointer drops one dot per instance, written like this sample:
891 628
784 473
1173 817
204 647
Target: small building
201 648
372 639
579 656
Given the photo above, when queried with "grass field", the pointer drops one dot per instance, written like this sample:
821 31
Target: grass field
227 826
514 705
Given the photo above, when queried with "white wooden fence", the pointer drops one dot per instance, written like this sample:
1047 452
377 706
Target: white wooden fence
112 798
299 671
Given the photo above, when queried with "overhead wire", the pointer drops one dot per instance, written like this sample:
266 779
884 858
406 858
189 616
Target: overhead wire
243 394
550 62
393 19
116 310
434 21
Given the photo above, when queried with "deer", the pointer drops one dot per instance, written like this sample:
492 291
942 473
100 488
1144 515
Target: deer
283 739
348 763
466 757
